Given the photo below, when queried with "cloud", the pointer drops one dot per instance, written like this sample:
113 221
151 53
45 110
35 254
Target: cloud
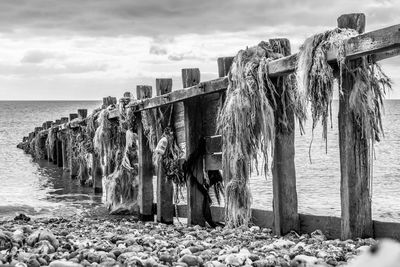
26 70
158 50
176 17
37 56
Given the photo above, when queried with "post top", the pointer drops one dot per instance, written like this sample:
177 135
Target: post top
354 21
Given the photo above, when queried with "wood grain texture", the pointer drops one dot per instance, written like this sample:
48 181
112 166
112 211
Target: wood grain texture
146 194
224 65
354 157
165 189
285 206
97 173
193 129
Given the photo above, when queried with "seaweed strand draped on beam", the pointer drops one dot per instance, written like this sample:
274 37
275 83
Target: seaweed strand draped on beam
247 124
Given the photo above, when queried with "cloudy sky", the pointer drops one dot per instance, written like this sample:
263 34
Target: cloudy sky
87 49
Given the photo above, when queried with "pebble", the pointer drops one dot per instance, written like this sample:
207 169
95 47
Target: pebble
190 260
123 241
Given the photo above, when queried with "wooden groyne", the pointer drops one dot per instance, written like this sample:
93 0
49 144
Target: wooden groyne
191 114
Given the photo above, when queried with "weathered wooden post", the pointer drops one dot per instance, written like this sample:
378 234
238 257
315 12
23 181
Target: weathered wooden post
48 124
224 65
286 217
193 132
55 150
62 139
82 113
97 172
73 116
165 189
107 101
146 194
354 154
59 144
52 153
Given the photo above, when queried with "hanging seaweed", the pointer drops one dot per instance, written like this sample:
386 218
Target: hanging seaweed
247 125
104 141
50 141
149 127
315 77
121 187
366 98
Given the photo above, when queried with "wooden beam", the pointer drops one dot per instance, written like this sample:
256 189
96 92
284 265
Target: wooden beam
354 156
378 41
193 133
165 188
375 42
145 197
202 88
285 207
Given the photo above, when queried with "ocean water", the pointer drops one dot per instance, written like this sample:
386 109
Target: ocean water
41 189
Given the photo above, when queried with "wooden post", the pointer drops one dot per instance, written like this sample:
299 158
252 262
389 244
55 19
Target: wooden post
193 133
97 174
107 101
59 151
224 65
48 124
82 113
73 116
285 207
146 194
165 188
62 139
64 120
354 154
55 154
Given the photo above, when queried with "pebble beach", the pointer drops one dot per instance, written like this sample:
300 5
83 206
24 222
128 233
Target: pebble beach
124 241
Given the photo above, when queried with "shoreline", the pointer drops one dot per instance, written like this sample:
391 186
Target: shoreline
124 241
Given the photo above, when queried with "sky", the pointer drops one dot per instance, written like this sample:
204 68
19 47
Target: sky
88 49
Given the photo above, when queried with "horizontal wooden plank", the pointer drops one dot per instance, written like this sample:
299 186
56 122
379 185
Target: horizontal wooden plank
213 162
386 54
213 144
386 230
202 88
378 41
329 225
113 114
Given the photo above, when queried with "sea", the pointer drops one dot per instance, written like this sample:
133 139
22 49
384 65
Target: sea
40 189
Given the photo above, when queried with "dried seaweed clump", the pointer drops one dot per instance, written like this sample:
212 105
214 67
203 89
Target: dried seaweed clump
121 186
315 78
247 125
366 98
